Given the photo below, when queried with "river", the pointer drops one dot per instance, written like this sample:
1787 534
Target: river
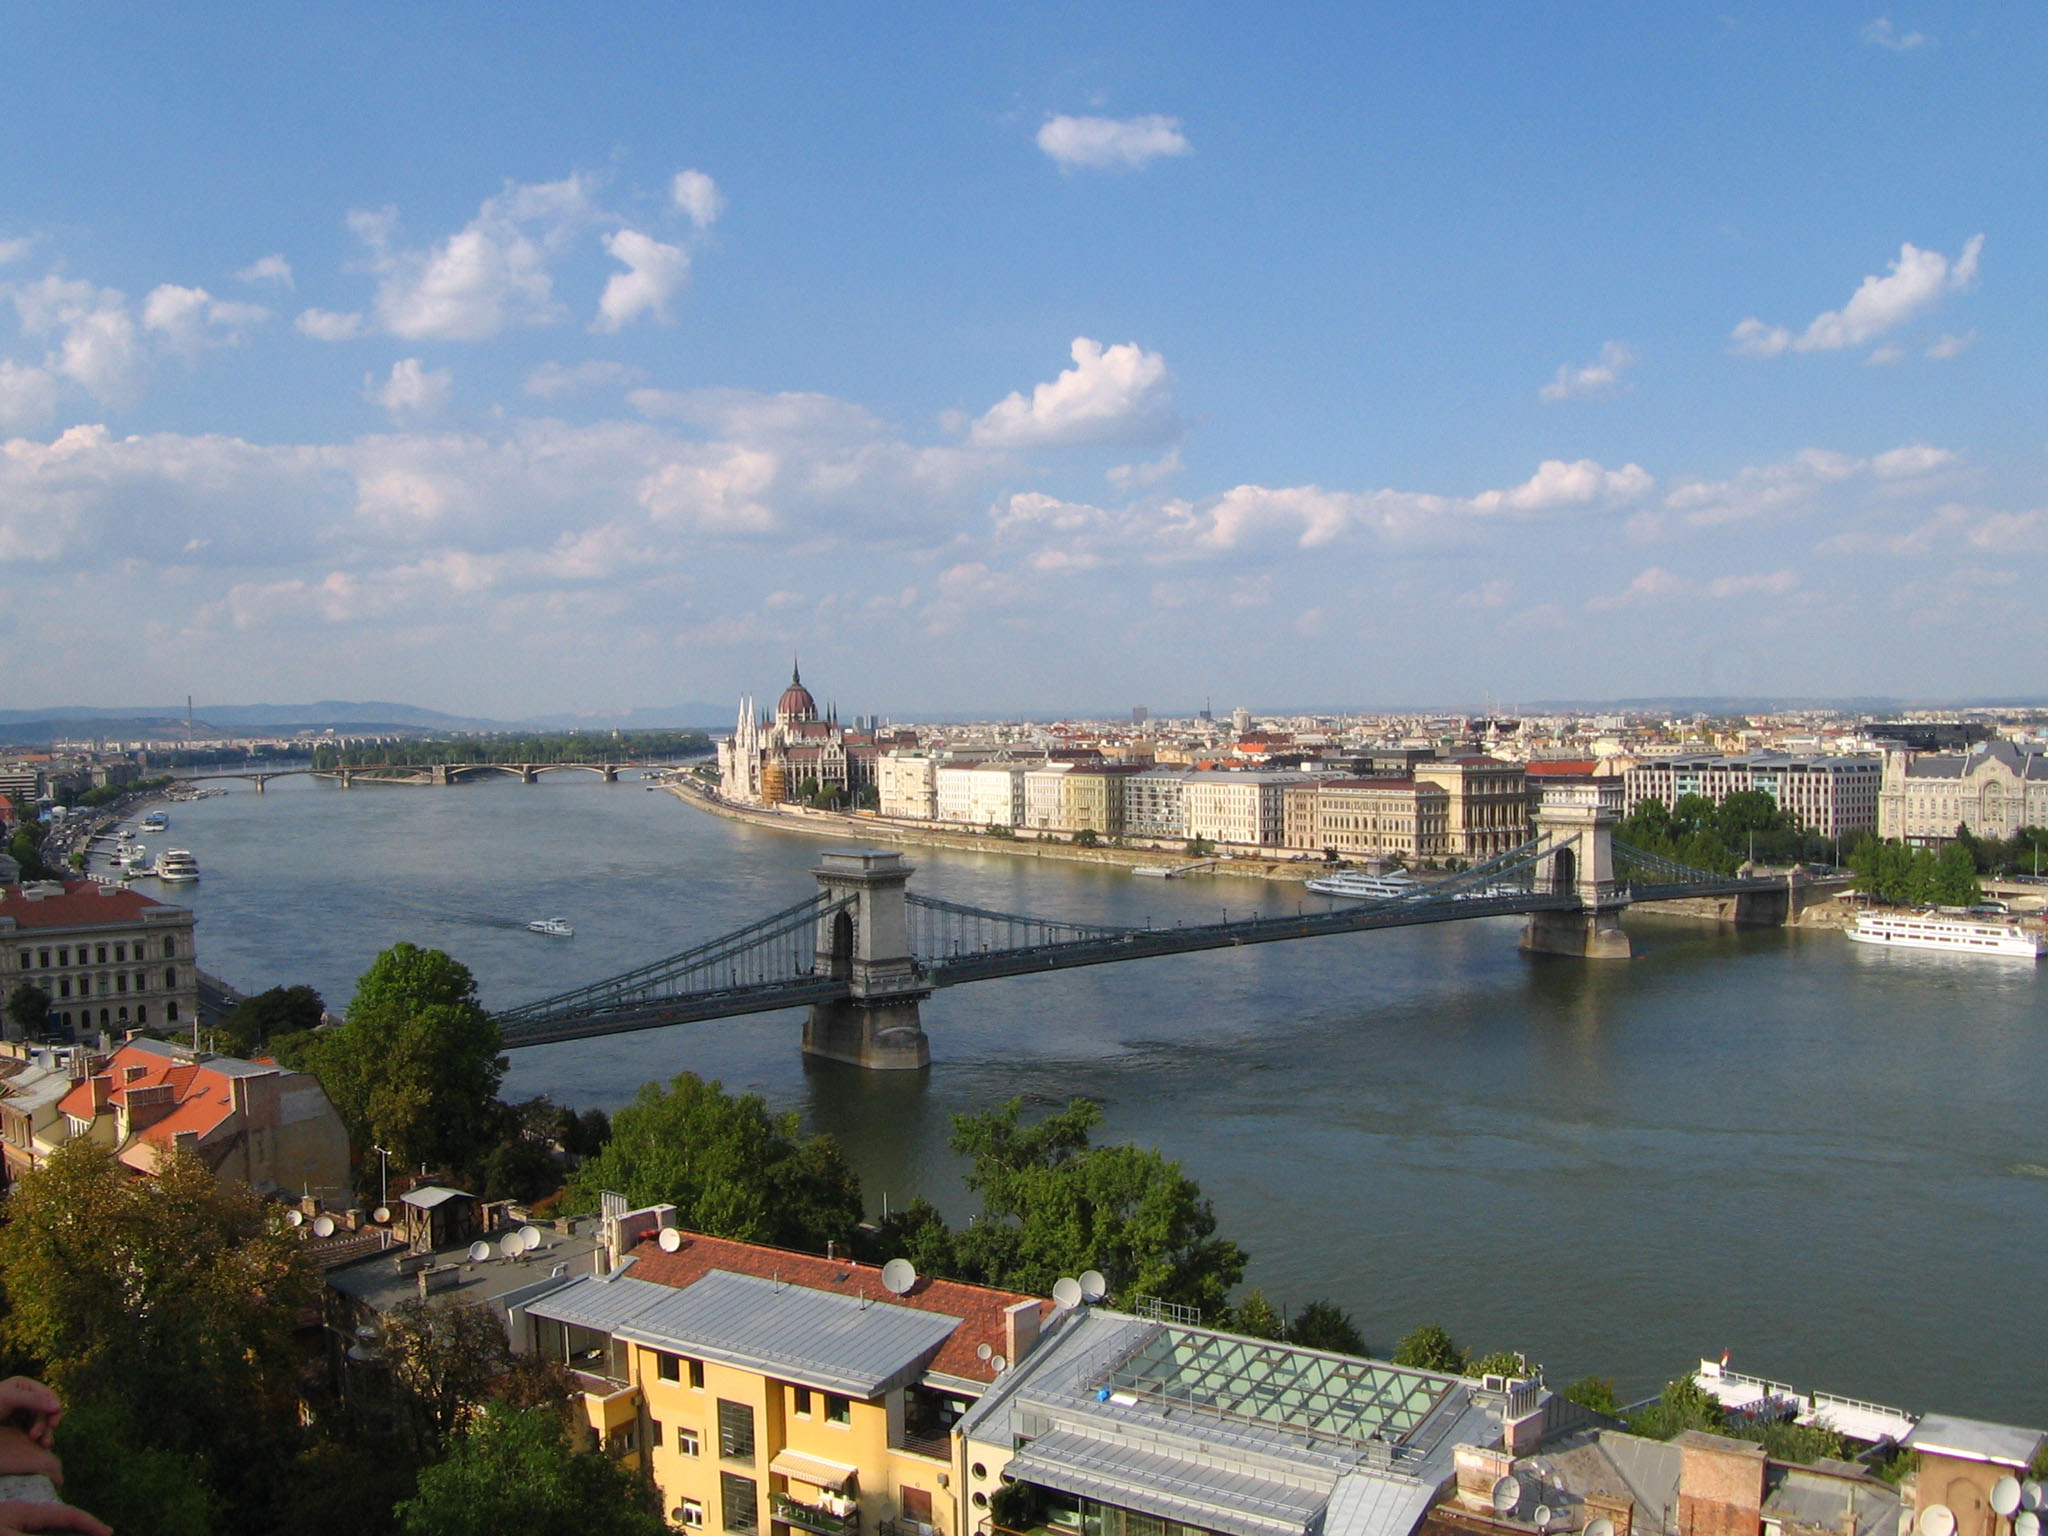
1829 1161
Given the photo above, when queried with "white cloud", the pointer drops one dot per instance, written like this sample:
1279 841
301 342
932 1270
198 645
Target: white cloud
268 269
1557 486
1913 459
1110 143
327 325
15 249
1951 345
1653 585
412 391
698 196
28 397
1882 34
96 343
1761 584
2012 533
551 381
1133 477
1119 394
1916 283
1597 380
1885 356
654 274
490 274
190 319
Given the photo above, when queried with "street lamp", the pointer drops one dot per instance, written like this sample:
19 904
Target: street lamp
383 1179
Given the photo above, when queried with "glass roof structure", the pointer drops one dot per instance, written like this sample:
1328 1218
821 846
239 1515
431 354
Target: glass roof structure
1282 1385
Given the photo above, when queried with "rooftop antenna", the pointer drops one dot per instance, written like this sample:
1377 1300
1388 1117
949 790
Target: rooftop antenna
898 1276
1066 1293
1093 1286
2005 1496
1936 1520
1507 1493
671 1239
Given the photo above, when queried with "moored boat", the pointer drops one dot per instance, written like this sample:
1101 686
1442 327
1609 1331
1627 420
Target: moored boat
1357 885
1953 934
177 866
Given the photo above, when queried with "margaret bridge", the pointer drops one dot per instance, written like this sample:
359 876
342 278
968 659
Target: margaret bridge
864 951
418 773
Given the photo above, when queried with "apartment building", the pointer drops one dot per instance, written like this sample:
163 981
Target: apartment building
1834 796
1397 818
109 958
981 794
1994 789
906 785
1045 808
774 1392
1156 803
1094 798
1244 808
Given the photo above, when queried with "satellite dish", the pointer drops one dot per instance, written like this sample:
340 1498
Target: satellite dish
1093 1286
1507 1493
982 1352
898 1276
2027 1523
2030 1495
1542 1517
381 1214
479 1251
529 1237
511 1245
1066 1293
295 1218
1599 1525
671 1239
1936 1520
997 1364
2005 1496
323 1225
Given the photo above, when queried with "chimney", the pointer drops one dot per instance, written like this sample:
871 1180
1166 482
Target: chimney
1478 1469
102 1093
1720 1485
148 1105
1020 1330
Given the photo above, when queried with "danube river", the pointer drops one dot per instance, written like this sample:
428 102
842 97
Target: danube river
1832 1162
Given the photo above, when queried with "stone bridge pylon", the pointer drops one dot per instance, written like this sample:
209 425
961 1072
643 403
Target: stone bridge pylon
1575 856
864 940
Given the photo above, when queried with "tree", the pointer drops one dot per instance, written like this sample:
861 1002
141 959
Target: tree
1052 1204
1431 1348
1087 837
112 1469
1955 877
28 1008
1325 1325
1501 1362
1683 1404
1596 1393
444 1358
729 1167
513 1469
916 1232
171 1288
415 1068
1257 1317
279 1011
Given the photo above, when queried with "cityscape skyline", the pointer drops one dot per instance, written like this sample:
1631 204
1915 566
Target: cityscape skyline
1542 356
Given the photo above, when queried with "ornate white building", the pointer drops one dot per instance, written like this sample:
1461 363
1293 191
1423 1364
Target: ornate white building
770 759
1994 789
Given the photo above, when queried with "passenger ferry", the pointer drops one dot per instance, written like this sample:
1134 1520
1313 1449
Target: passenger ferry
155 821
553 927
176 866
1357 885
1957 935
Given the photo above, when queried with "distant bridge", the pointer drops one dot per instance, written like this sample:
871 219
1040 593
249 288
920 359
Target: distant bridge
423 773
863 952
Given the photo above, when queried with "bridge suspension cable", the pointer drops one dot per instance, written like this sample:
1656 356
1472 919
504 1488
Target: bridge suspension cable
939 929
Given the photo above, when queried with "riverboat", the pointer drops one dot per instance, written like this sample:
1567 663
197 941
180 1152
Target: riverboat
1955 935
155 821
1356 885
176 866
553 927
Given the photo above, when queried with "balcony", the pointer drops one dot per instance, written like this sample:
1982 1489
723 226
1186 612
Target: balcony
938 1444
815 1517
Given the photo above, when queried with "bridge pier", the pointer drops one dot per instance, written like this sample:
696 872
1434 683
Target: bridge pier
1575 827
527 775
611 773
877 1025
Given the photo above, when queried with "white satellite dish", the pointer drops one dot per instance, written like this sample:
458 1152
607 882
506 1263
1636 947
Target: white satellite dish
2030 1494
1093 1286
982 1352
479 1251
1066 1293
529 1237
1507 1493
1936 1520
1600 1525
2005 1496
323 1225
997 1364
1542 1517
511 1245
898 1276
2026 1523
295 1218
381 1215
671 1239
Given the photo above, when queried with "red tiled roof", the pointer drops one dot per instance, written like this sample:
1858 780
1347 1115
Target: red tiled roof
204 1097
1566 767
80 906
979 1307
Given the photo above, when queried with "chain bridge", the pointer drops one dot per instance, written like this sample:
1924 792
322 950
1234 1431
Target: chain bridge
864 951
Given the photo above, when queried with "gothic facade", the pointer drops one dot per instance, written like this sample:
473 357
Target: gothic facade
795 752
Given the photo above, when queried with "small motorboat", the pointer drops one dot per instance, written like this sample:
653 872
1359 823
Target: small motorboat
553 927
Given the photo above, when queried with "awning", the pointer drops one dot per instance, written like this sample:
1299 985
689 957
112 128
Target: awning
815 1470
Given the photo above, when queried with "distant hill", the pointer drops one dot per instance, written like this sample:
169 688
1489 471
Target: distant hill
34 727
688 716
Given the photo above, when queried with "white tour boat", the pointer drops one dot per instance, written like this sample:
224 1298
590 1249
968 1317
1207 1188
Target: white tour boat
155 821
1357 885
176 866
554 927
1954 934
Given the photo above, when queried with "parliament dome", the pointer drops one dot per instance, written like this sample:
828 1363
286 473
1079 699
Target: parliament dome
796 702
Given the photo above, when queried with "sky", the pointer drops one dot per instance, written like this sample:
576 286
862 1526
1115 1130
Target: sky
515 360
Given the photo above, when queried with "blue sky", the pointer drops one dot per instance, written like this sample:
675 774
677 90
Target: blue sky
511 360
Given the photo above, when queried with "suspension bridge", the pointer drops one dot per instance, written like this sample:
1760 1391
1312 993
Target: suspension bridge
863 951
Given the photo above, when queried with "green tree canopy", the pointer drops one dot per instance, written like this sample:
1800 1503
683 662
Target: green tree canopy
280 1011
1255 1317
444 1357
415 1068
1430 1348
28 1008
513 1470
1325 1325
1596 1393
1683 1404
728 1166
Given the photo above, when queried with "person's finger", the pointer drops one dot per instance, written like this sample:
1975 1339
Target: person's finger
21 1455
25 1392
19 1519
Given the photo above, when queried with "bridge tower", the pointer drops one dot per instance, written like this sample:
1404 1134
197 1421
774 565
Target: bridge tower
877 1024
1575 832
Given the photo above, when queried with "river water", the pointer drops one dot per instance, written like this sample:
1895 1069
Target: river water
1832 1162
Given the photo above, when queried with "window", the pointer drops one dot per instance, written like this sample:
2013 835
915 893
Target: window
837 1409
737 1502
654 1433
623 1441
803 1402
697 1375
170 948
667 1366
735 1433
64 987
99 954
43 958
120 953
686 1442
689 1514
63 957
917 1504
172 1010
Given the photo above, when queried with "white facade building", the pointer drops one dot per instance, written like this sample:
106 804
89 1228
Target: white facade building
1994 789
1246 808
907 785
1156 804
1045 798
981 794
